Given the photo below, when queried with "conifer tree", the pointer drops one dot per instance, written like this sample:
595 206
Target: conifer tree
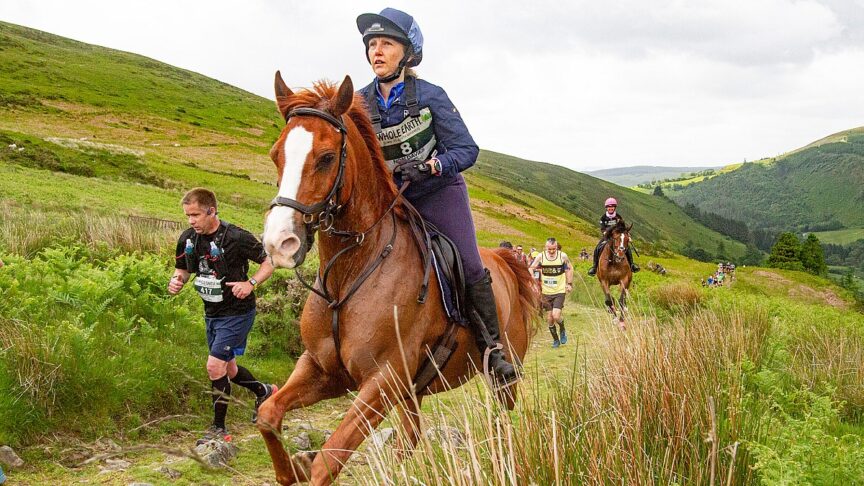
812 256
786 253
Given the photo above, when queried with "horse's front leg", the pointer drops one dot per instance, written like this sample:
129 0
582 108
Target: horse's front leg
375 398
409 414
622 301
307 384
610 304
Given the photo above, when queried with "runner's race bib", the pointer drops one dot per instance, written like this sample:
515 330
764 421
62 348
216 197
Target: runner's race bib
412 139
209 288
550 282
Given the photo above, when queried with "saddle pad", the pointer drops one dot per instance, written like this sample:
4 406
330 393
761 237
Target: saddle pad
448 270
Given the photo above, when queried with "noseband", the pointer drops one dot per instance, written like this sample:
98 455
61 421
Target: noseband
321 214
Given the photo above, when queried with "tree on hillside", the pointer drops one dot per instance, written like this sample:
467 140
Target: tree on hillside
786 253
721 250
812 256
753 256
658 191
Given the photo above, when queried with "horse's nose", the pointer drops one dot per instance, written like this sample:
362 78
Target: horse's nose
289 245
282 249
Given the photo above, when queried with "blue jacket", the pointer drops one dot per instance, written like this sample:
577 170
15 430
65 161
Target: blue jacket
456 148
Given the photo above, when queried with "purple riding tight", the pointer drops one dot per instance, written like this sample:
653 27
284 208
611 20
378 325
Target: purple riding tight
448 209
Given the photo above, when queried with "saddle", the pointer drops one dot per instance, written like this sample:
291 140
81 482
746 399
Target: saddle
439 253
451 277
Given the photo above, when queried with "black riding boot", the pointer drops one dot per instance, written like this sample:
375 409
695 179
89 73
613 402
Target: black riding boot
633 267
597 249
482 300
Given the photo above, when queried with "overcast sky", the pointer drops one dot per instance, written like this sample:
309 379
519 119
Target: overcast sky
582 84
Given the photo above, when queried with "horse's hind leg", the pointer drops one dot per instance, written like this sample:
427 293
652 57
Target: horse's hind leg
410 416
374 399
307 384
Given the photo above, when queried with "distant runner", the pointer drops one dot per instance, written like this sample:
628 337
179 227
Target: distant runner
556 280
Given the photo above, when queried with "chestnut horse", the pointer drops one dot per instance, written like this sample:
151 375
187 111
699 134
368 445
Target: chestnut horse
613 269
333 182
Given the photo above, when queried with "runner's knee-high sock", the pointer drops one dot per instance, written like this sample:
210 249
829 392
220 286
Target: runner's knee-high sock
245 379
554 332
561 325
221 392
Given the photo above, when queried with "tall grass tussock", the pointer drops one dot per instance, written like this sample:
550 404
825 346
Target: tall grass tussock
665 403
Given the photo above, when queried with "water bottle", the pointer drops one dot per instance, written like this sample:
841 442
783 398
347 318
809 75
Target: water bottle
214 250
189 248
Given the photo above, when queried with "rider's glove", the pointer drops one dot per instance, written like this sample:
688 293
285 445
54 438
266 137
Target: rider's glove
414 171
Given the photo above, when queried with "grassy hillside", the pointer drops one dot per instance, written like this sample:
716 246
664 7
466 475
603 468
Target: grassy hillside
656 220
815 188
640 174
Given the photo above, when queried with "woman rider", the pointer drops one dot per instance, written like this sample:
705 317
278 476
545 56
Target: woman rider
609 219
425 141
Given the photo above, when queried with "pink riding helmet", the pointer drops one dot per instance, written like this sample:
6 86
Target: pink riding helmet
611 202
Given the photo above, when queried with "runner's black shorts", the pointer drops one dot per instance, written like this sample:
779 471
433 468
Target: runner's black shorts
226 336
554 301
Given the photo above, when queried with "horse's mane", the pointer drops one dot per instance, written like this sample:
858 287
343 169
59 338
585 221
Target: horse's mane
320 96
620 227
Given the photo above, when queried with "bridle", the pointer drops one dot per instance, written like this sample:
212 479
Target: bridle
319 215
618 253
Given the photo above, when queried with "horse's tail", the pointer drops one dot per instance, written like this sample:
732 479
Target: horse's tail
529 296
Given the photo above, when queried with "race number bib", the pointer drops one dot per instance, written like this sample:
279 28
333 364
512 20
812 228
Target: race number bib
550 282
209 288
413 139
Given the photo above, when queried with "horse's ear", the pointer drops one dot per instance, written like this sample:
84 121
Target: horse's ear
344 97
282 94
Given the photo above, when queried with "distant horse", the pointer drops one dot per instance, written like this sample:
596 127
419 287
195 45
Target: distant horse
333 182
613 269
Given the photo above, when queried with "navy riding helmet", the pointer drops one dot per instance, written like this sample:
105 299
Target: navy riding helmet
397 25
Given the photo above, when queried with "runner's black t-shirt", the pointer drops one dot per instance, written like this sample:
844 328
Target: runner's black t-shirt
237 247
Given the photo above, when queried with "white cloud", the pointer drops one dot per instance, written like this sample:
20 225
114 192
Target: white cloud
583 84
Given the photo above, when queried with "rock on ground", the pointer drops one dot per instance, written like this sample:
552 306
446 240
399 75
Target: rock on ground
10 458
302 441
446 435
171 474
217 453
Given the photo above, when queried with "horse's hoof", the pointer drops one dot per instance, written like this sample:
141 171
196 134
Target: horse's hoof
303 464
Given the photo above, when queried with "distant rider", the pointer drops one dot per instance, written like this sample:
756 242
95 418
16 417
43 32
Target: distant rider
609 219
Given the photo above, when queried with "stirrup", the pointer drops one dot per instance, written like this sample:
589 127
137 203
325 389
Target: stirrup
490 376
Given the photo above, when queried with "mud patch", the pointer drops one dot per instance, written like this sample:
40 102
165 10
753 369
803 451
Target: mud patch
826 296
773 277
492 225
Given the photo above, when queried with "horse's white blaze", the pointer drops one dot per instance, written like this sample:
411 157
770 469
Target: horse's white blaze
622 242
280 221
